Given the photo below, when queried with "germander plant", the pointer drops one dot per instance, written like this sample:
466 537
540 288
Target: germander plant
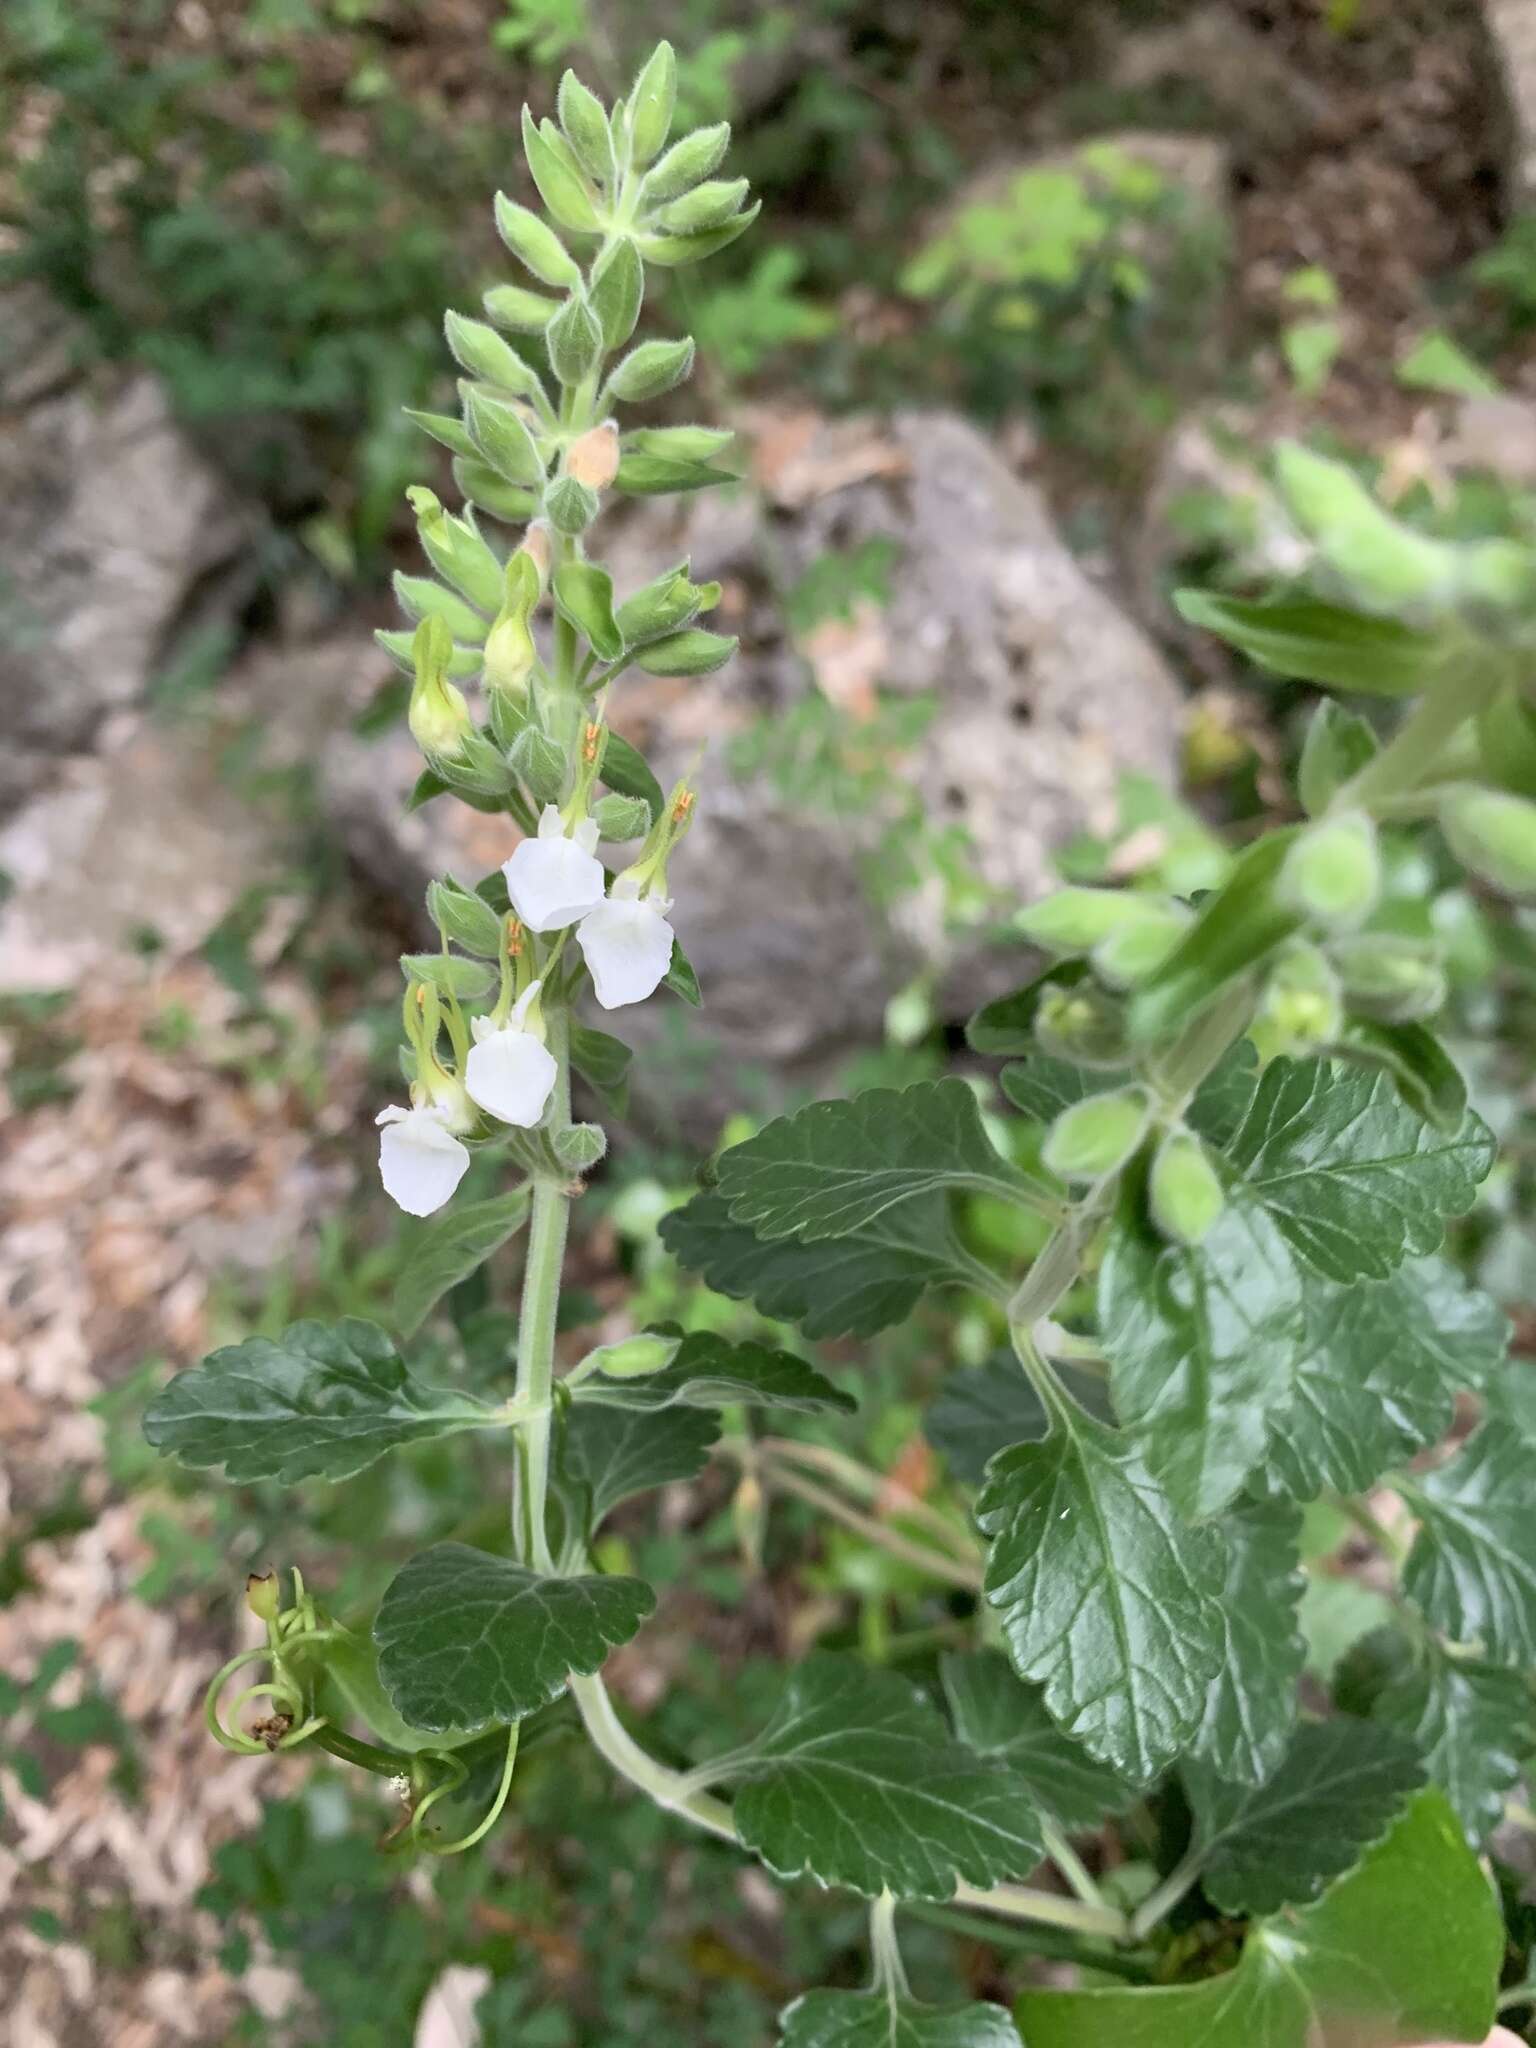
1238 1142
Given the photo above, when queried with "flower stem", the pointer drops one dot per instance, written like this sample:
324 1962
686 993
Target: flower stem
536 1328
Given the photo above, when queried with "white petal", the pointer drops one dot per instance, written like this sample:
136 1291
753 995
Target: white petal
552 883
587 835
628 947
420 1163
551 824
511 1073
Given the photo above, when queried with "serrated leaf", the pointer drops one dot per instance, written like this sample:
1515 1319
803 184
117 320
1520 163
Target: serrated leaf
466 1639
449 1249
846 1287
711 1372
877 2019
1378 1375
1339 1788
997 1715
1407 1947
1202 1341
834 1168
1471 1723
1108 1599
857 1782
1355 1179
1042 1087
611 1453
1250 1711
1472 1568
986 1408
321 1401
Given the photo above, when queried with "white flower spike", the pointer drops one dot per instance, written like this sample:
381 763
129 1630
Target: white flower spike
421 1162
510 1071
627 944
553 880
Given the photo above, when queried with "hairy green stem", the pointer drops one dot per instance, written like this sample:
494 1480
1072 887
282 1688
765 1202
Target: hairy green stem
1419 745
547 1225
1159 1903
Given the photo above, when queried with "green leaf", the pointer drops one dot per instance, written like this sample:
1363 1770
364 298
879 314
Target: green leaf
466 979
1378 1375
711 1372
857 1782
1472 1724
1427 1078
1339 1788
1435 363
612 1453
1202 1340
584 595
693 652
831 1170
647 475
321 1401
986 1408
1355 1179
997 1715
466 1639
1472 1568
1251 1708
844 1287
681 979
878 2019
1406 1948
1319 643
603 1063
1042 1087
1107 1598
627 771
450 1248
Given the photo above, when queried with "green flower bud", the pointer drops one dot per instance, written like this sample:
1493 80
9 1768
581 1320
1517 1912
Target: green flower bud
481 350
574 340
1303 1009
706 206
1184 1191
519 311
263 1595
1127 956
621 817
579 1147
462 663
670 252
1332 873
502 437
456 551
617 291
1506 743
651 369
1395 980
571 506
539 765
1386 564
1075 920
1337 746
1083 1024
420 598
650 105
1096 1136
536 245
632 1358
585 123
510 655
660 607
561 182
684 165
1493 834
438 715
465 918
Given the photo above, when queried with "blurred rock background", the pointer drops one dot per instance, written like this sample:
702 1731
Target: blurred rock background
1035 284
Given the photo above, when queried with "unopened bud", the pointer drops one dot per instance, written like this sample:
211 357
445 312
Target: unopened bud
263 1595
633 1358
510 655
1494 834
536 546
1184 1192
1077 920
1128 956
1083 1024
621 817
1395 980
571 505
1506 743
539 765
438 715
1303 1010
1332 874
1094 1137
593 460
1385 563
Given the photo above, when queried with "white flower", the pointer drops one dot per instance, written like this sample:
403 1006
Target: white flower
510 1071
421 1162
627 943
553 880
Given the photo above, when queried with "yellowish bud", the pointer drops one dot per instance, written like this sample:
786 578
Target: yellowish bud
593 460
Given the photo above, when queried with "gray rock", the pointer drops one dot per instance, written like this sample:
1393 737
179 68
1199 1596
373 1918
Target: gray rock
1257 97
1512 28
108 519
1044 693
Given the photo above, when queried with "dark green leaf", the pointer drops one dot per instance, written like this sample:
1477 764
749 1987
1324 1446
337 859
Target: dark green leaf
1355 1179
833 1169
1340 1787
614 1453
466 1639
1472 1724
1378 1375
857 1782
1042 1088
1427 1078
320 1402
982 1410
1107 1598
846 1287
877 2019
1319 643
627 770
1251 1709
450 1248
603 1063
997 1715
1472 1568
711 1372
1405 1948
1202 1340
